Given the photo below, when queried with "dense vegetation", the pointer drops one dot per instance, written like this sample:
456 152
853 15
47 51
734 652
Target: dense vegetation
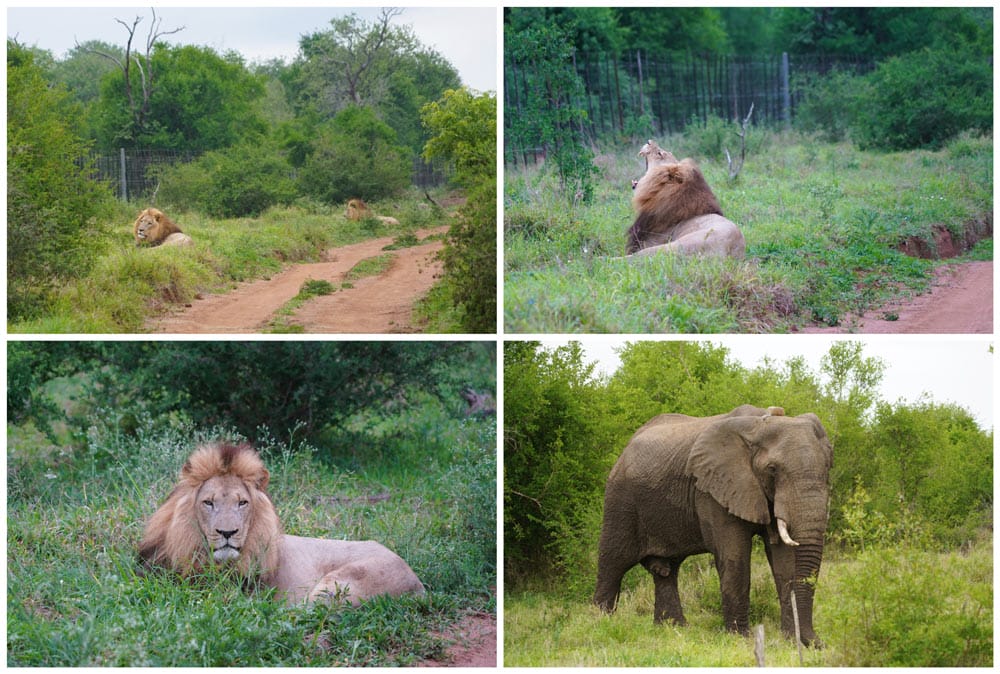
920 92
362 441
911 490
345 119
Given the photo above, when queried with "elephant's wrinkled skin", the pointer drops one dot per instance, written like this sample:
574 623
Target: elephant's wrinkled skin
689 485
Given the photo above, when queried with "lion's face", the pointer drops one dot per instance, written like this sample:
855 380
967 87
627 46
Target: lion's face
145 227
224 509
655 155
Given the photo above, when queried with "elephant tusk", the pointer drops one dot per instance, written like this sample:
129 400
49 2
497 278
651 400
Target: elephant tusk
783 532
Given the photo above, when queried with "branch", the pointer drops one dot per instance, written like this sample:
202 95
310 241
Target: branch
734 171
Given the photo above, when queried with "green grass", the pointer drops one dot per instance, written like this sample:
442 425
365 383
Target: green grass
75 517
822 223
371 266
895 607
128 286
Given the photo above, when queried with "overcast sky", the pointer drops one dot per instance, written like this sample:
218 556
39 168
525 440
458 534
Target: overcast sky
466 37
951 370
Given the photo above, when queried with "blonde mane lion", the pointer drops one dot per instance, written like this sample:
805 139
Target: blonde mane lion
219 514
358 210
153 227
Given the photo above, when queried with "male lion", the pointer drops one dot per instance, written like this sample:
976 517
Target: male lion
677 211
153 227
220 507
358 210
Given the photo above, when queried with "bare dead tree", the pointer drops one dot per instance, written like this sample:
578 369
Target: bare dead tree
734 170
143 63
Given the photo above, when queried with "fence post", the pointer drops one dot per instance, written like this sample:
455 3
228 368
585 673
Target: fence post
123 181
786 92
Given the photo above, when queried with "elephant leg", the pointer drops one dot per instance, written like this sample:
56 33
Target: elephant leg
732 560
667 600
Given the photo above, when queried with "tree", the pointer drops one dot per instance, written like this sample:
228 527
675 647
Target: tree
201 101
463 128
346 65
52 204
138 72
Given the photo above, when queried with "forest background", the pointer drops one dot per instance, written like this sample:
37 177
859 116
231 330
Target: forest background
345 119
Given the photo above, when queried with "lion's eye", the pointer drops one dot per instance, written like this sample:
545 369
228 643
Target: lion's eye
208 503
244 504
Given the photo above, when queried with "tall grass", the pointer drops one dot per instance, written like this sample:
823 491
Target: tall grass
884 607
822 224
75 517
128 285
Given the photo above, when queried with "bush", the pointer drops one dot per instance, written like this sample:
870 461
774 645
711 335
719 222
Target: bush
925 98
52 205
244 180
829 104
356 156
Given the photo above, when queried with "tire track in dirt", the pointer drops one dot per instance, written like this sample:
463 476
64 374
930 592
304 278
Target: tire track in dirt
960 302
381 303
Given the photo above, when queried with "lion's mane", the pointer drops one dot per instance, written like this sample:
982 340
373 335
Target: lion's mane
153 227
173 537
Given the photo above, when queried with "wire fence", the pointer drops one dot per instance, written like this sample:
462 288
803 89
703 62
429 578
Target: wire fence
133 173
631 94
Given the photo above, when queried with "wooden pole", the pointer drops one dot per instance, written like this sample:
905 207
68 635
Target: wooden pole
758 645
795 618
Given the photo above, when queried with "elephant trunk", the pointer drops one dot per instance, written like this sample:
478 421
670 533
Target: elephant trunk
804 521
807 561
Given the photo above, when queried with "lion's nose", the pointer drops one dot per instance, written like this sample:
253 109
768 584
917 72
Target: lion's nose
226 534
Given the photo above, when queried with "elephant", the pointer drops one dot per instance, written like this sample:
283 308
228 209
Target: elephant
689 485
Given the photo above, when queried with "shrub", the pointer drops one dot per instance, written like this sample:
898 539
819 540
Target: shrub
356 156
52 205
925 98
829 104
244 180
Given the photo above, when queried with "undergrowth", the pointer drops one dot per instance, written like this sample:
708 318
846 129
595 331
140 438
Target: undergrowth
823 223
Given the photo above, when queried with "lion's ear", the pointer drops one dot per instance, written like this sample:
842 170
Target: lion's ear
675 174
263 479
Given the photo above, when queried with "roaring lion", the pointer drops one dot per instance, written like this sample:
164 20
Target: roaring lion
220 514
153 227
358 210
677 211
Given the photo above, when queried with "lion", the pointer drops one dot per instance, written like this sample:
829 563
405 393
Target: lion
219 514
358 210
153 227
677 211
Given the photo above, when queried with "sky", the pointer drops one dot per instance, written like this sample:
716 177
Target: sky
465 36
951 370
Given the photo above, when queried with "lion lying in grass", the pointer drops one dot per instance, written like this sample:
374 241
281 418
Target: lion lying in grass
677 211
358 210
220 514
154 228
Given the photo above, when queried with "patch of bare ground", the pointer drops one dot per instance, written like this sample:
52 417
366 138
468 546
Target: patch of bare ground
960 302
373 305
473 643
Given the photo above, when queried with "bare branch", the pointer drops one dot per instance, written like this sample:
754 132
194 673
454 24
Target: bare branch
734 170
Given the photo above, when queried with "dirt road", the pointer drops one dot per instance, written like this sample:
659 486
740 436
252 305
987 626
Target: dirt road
960 302
376 304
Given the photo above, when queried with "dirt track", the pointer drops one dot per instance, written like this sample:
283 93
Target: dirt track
376 304
960 302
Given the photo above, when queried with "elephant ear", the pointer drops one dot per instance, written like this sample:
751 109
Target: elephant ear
824 441
721 465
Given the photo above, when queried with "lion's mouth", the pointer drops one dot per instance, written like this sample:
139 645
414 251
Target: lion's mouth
226 553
